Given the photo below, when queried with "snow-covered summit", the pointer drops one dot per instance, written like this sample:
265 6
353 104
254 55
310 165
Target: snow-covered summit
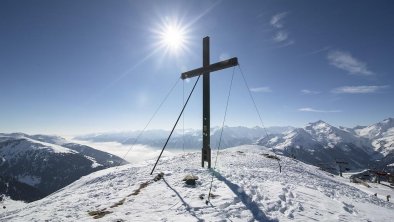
330 135
247 186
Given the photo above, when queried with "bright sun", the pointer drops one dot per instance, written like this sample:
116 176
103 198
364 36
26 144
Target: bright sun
173 37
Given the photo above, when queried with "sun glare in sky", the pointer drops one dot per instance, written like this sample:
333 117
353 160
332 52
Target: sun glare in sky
173 37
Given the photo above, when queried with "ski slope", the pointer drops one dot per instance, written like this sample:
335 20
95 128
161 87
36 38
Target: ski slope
247 186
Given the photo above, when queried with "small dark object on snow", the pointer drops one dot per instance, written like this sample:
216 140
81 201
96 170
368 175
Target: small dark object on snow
99 213
375 194
159 176
240 152
273 157
142 186
270 156
4 207
201 196
213 196
121 202
388 197
190 180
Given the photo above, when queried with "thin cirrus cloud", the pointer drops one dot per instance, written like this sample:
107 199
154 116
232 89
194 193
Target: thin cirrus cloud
277 20
345 61
264 89
309 92
309 109
281 35
358 89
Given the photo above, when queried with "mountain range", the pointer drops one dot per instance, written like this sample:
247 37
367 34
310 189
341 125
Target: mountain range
322 144
33 166
188 138
317 143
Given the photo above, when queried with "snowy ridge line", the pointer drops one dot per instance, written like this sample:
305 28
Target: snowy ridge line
34 166
320 143
300 193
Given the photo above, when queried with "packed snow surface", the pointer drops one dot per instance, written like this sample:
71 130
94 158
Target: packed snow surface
247 186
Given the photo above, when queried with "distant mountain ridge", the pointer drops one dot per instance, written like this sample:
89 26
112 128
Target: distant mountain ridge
232 136
319 143
46 164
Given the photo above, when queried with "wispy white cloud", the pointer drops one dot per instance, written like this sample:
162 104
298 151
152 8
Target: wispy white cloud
308 109
317 51
264 89
281 36
345 61
286 43
277 20
309 92
358 89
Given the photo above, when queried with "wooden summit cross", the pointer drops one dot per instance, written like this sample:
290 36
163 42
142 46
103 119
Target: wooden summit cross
205 70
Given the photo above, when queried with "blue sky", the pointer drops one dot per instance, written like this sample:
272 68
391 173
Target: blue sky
70 67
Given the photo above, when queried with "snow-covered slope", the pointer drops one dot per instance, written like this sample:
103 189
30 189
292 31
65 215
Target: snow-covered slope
34 166
247 186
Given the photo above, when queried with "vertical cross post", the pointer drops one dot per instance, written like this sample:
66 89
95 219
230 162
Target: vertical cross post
206 115
205 71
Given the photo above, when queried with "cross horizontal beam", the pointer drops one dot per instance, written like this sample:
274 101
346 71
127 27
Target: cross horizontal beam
211 68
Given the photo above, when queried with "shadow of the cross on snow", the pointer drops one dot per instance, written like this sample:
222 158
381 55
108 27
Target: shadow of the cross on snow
258 214
187 206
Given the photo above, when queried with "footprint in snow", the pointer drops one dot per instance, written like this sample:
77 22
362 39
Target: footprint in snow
349 208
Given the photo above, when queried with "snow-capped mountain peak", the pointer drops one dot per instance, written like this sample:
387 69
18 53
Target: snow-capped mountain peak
376 130
322 131
320 142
